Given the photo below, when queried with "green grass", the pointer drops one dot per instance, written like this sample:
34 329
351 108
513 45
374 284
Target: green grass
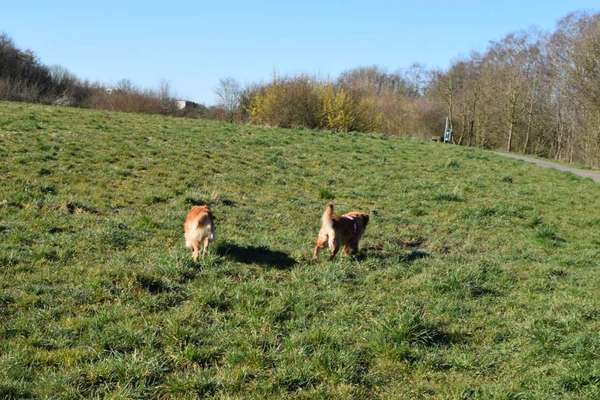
478 276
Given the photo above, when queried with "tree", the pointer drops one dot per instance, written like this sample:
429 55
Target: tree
165 97
229 93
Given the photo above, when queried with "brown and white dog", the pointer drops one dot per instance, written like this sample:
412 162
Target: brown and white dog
199 230
336 231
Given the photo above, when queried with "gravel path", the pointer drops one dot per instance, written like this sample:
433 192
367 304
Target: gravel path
595 175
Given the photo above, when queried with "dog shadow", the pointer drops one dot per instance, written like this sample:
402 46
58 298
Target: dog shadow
407 252
260 255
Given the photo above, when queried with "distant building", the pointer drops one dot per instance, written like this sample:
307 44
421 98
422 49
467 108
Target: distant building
185 104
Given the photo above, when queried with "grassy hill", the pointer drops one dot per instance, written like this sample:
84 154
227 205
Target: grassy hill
479 276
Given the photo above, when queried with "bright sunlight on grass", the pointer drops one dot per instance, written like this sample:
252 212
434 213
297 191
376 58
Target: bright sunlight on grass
478 276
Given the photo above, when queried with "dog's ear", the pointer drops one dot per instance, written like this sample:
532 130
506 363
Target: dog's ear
366 219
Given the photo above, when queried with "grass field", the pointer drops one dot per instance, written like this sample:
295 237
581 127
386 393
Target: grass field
478 278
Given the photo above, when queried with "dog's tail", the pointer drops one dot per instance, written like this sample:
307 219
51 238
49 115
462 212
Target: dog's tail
327 218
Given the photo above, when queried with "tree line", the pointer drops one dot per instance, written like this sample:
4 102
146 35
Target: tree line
23 77
531 92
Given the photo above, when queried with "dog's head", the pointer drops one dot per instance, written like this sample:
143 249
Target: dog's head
365 218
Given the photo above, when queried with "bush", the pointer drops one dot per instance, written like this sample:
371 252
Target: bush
287 103
370 117
340 109
343 111
302 102
19 90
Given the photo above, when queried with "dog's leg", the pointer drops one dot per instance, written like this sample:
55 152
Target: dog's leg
354 245
196 251
316 252
334 247
334 252
321 243
347 249
205 246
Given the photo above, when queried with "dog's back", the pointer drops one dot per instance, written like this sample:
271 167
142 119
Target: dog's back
198 226
351 225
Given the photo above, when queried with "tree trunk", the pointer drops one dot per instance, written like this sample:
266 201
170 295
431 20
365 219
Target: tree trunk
510 133
559 133
529 118
511 115
471 126
463 130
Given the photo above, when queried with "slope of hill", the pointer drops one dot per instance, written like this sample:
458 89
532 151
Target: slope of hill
478 276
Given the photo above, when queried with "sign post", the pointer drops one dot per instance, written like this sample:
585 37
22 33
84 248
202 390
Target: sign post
448 134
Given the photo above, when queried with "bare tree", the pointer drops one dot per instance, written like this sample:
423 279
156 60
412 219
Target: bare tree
229 93
165 96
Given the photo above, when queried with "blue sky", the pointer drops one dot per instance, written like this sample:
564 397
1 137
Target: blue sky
192 44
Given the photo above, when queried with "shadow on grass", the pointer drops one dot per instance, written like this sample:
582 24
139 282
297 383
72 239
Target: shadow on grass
414 255
261 255
407 252
196 201
413 328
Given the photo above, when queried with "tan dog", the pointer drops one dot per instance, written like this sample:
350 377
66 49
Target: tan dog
336 231
199 229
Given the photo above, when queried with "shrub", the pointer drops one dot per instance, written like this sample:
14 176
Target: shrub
370 117
303 102
287 103
340 109
344 110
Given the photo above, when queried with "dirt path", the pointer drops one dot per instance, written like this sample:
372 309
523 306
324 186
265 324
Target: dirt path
595 175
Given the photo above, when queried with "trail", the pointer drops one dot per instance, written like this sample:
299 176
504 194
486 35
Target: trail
595 175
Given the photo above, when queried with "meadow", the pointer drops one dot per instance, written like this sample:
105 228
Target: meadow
478 276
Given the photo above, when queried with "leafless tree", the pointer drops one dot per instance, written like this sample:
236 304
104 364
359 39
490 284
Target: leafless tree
229 93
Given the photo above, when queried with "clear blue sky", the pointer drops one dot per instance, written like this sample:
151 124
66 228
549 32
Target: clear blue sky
192 44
